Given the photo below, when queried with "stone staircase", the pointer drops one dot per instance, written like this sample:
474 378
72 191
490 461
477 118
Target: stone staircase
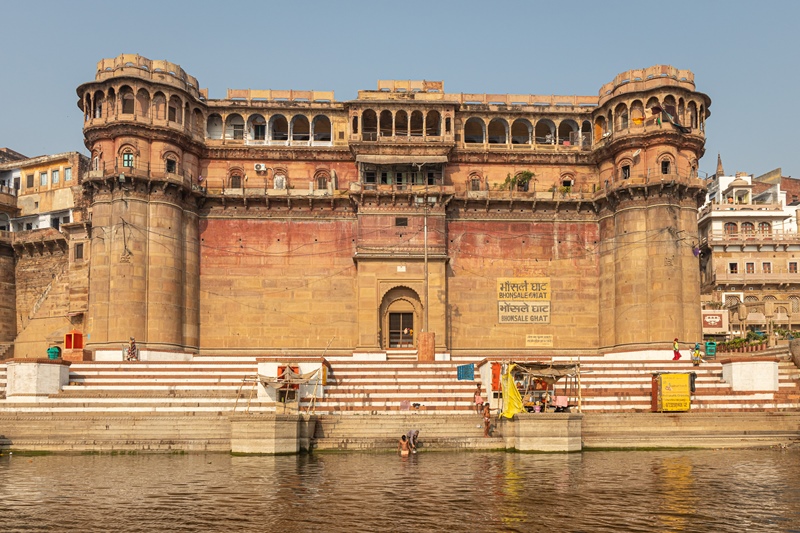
154 387
396 386
626 385
399 386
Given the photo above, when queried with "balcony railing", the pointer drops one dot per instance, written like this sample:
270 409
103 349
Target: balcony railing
715 207
122 172
742 277
741 238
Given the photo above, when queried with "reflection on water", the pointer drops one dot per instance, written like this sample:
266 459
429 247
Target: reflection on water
703 491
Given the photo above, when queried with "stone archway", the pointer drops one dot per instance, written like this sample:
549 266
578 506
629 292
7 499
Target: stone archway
400 318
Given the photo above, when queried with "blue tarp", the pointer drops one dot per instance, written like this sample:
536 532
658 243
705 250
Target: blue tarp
466 372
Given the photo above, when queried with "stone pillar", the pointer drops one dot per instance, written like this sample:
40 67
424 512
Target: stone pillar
426 347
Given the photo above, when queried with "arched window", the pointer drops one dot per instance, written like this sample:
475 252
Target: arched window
586 135
369 126
637 113
126 95
234 127
321 178
666 165
568 181
171 163
99 100
622 117
474 131
301 131
521 131
321 129
731 228
159 106
416 124
355 125
653 106
174 113
111 103
748 228
568 132
498 131
401 124
795 301
278 128
765 228
257 128
692 111
280 181
599 128
127 158
386 123
625 169
214 126
475 181
198 122
142 103
235 181
433 123
545 132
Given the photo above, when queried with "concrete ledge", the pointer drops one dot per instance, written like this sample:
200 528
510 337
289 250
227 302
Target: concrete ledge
35 377
690 430
270 434
552 432
751 373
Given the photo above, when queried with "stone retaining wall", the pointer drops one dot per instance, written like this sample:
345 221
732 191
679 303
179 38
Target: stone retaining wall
202 432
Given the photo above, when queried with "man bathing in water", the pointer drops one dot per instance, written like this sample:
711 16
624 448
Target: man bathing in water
411 438
402 445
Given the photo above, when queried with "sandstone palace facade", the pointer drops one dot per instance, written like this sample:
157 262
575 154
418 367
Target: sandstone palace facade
273 222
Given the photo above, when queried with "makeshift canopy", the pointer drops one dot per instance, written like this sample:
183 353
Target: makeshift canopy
287 377
546 372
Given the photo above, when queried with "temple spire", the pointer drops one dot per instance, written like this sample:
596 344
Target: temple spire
720 170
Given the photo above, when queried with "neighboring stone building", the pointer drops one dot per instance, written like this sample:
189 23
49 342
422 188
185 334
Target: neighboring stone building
40 198
286 222
750 251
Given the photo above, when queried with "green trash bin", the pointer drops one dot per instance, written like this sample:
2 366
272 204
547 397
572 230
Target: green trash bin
711 349
53 352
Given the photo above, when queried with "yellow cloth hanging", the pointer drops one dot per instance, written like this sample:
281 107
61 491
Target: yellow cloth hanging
512 401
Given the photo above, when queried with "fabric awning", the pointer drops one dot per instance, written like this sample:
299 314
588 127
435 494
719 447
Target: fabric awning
400 159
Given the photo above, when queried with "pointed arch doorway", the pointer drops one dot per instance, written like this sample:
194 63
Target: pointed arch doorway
400 313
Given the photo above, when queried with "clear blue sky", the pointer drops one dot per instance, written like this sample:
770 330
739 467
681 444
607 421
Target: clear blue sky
745 56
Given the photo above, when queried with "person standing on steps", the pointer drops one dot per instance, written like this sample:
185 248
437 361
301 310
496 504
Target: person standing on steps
478 400
487 419
696 357
675 350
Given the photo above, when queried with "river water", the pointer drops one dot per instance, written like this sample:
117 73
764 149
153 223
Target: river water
641 491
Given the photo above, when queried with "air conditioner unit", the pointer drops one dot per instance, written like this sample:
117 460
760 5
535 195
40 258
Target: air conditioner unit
260 167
